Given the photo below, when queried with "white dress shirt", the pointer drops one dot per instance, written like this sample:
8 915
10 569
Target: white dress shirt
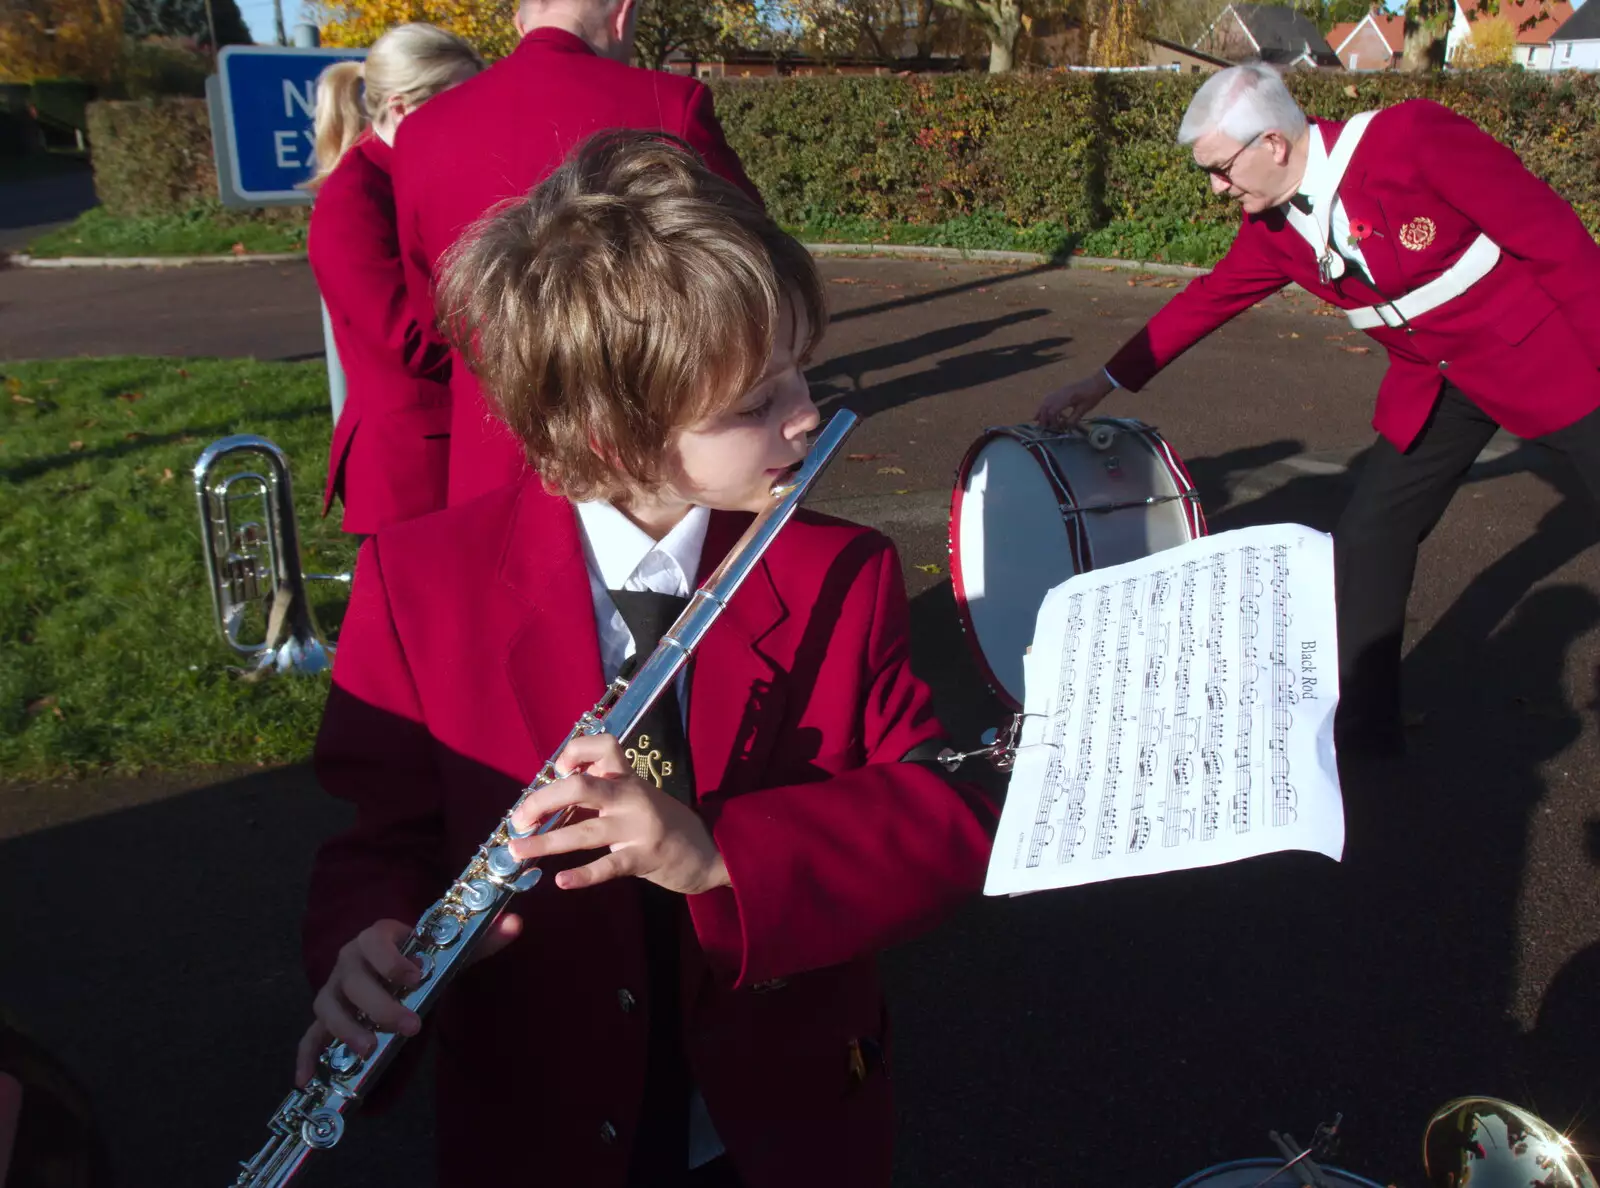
1316 186
622 556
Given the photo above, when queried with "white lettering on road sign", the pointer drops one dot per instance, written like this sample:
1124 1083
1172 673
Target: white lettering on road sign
283 142
294 97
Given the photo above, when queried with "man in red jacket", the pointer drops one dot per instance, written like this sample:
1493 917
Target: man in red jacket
505 131
1477 278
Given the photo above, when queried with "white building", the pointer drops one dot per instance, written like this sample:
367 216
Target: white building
1576 44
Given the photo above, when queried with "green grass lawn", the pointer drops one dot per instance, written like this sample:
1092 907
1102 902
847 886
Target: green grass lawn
109 654
200 232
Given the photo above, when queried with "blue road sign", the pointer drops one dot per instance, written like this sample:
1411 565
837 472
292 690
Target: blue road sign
268 98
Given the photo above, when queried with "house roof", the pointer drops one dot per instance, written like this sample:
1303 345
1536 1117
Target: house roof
1340 34
1582 25
1534 20
1393 27
1390 26
1283 34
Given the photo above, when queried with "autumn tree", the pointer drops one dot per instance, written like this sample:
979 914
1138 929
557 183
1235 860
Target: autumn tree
1492 42
1116 33
186 20
80 39
1002 21
486 24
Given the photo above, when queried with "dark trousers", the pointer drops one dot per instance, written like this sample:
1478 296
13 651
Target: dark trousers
1398 500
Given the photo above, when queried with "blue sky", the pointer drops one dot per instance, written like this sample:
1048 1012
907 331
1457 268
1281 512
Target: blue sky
258 16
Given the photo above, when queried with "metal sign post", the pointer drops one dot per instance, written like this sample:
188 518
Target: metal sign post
262 103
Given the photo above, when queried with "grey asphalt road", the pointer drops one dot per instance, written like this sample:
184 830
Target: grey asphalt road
1127 1033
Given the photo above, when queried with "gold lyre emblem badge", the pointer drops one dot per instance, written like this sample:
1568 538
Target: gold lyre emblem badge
647 763
1416 235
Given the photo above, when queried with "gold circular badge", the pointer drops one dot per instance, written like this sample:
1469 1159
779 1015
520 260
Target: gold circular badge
1418 233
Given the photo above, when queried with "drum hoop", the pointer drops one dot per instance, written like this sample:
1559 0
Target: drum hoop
958 586
1034 439
1263 1162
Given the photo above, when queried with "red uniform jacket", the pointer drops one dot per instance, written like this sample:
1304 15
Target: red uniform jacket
395 365
496 137
1523 343
468 653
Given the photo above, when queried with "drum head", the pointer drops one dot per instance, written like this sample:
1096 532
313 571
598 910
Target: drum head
1247 1173
1014 537
1009 547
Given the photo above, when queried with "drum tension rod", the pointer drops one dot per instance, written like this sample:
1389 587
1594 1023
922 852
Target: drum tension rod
1302 1164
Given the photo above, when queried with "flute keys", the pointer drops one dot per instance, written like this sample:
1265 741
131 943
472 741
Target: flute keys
503 863
322 1129
444 930
343 1059
477 895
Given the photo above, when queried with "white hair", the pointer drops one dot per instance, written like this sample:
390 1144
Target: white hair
1242 102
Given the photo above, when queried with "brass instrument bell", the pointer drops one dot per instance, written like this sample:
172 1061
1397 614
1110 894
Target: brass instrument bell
252 551
1482 1142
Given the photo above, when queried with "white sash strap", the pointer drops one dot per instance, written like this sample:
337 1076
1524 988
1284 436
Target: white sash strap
1475 264
1313 228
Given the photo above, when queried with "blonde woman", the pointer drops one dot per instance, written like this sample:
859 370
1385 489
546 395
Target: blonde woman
391 445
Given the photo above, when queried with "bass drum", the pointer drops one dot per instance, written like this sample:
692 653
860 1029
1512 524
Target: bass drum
1251 1173
1032 507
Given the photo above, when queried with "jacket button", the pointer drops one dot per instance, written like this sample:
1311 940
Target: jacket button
626 1000
1444 364
608 1133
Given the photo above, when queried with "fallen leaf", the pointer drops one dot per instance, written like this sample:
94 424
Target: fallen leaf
74 445
891 470
1293 334
1132 283
930 568
34 708
1351 91
89 424
1333 338
1108 268
238 249
132 436
19 398
865 457
843 280
982 289
130 396
166 475
1357 350
903 491
183 373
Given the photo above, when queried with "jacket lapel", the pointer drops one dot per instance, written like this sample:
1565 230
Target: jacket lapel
553 658
1378 249
738 692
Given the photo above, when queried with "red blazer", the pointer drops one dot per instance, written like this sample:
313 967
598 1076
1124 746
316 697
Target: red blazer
1523 343
468 653
396 367
496 137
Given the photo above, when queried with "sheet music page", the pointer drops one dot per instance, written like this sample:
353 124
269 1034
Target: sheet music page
1180 714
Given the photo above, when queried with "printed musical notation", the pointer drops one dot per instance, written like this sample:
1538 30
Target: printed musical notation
1179 713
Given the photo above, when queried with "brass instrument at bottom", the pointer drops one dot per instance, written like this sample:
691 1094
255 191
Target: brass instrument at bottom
252 551
442 943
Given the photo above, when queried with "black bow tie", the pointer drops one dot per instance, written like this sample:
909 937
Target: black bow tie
1302 203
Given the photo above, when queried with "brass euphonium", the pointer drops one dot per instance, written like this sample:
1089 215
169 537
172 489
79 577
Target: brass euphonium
252 550
1482 1142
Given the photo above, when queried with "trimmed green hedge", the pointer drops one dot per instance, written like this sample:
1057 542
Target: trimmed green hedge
1067 160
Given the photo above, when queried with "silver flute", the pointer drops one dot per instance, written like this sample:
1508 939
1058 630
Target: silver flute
442 943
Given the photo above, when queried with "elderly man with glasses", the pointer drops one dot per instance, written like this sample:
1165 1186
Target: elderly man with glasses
1478 279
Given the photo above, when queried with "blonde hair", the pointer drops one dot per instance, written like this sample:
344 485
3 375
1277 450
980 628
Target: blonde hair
629 296
412 63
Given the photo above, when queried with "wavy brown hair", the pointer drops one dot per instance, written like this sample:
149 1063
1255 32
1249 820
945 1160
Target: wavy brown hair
632 294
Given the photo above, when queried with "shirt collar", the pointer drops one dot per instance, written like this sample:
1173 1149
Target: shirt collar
615 547
1311 185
